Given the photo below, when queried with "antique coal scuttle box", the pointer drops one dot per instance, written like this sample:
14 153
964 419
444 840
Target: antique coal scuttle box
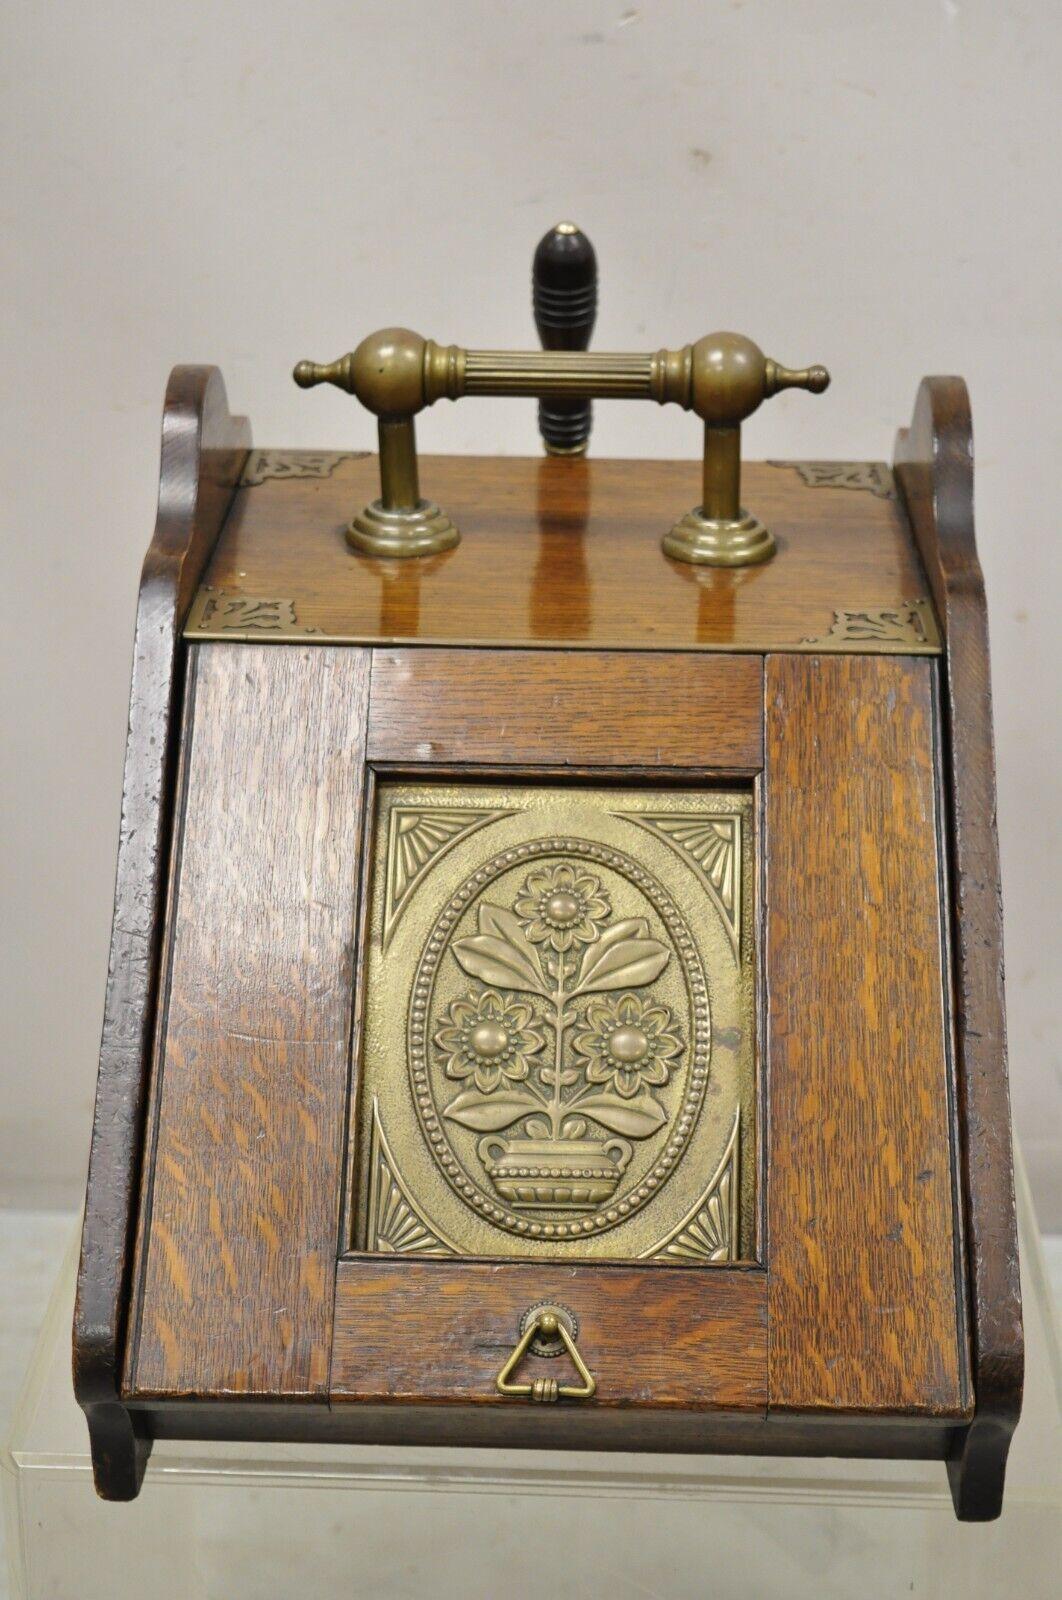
555 994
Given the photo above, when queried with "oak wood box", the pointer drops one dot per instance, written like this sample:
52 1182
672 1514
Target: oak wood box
805 745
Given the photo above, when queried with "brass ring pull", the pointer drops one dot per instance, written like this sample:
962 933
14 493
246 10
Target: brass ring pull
545 1321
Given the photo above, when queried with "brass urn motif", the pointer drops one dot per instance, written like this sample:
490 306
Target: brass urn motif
558 1035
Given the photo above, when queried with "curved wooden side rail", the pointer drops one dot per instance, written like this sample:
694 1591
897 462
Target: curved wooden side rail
203 452
933 464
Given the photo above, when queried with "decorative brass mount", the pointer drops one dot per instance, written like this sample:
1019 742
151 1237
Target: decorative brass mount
723 378
568 974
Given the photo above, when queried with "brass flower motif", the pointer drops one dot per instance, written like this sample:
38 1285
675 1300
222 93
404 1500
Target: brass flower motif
627 1041
486 1036
562 906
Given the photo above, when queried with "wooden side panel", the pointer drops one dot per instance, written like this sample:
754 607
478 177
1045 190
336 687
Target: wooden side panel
239 1234
861 1218
559 708
203 451
934 469
653 1337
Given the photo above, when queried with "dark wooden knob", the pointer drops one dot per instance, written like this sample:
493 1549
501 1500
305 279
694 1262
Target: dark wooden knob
564 298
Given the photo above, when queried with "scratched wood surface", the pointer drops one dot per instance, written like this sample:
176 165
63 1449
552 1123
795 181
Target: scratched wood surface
566 708
238 1231
864 1312
567 553
652 1337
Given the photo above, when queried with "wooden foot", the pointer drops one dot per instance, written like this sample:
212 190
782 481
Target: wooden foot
120 1451
977 1469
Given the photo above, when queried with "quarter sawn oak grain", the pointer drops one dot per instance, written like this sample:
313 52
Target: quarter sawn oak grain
239 1235
864 1306
461 1319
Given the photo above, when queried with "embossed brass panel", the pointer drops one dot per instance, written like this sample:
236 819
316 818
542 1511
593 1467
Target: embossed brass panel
558 1054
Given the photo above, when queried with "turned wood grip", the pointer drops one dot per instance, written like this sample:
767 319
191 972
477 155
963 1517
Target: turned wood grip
564 299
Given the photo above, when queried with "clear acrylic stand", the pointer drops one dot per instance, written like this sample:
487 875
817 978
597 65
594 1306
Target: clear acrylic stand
234 1521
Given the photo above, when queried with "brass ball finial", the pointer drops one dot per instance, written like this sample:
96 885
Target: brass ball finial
728 378
387 372
548 1324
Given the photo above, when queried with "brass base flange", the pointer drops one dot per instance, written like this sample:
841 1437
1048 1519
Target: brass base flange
424 530
719 541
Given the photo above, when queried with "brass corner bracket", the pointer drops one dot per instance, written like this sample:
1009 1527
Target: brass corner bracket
723 379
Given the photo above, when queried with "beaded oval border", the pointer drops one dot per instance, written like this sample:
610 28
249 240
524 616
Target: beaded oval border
423 1099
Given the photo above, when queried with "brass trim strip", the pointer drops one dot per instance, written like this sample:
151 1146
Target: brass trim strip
217 615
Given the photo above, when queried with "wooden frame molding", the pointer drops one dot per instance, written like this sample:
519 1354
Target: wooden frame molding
203 452
558 708
237 1244
460 1318
933 463
865 1311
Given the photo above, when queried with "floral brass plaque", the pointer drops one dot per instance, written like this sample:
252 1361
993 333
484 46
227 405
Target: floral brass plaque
558 1047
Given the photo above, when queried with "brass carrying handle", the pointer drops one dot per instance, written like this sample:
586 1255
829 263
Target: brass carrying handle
545 1390
722 378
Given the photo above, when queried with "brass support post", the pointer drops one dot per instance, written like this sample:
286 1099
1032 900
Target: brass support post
399 479
721 478
719 532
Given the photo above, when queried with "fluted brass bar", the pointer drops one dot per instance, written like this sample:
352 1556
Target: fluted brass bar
591 374
721 480
399 478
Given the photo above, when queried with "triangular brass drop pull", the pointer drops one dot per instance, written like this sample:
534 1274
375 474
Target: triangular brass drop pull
546 1322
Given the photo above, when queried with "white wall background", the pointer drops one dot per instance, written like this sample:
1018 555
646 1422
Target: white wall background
871 185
